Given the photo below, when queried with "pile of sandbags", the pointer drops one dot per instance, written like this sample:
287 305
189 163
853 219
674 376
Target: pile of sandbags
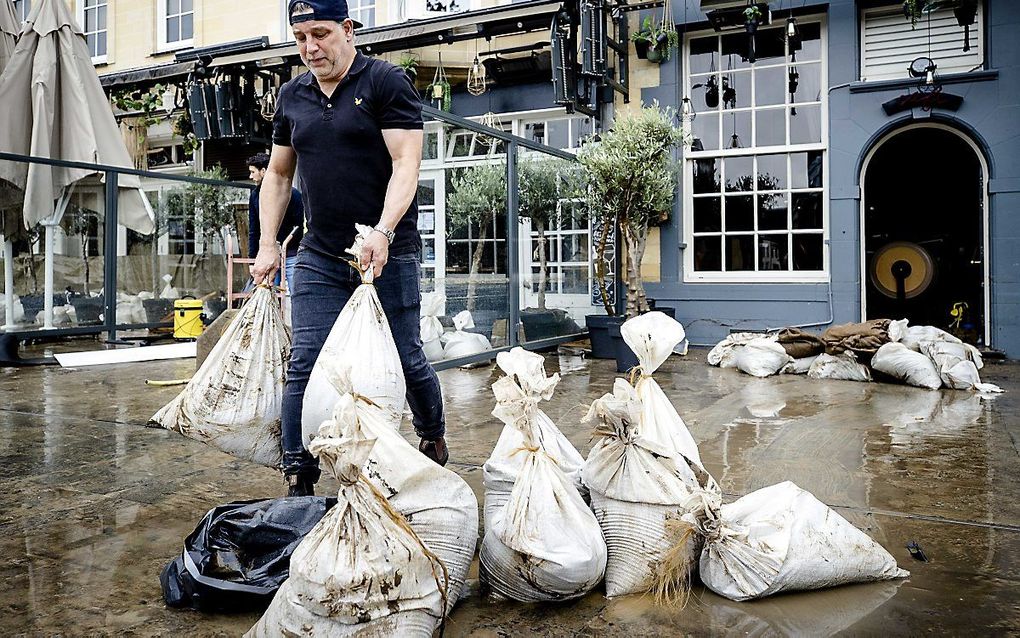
541 541
431 328
362 570
460 342
234 400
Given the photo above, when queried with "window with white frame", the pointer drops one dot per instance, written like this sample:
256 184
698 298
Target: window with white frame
889 43
564 133
176 28
568 254
22 8
363 11
92 15
755 200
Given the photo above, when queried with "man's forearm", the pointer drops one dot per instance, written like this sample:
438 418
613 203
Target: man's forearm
400 191
273 199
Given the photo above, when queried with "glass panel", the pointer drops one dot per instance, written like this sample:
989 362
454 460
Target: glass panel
807 252
807 210
426 193
807 169
735 90
739 213
706 132
430 148
772 211
173 29
772 252
101 43
811 42
187 6
704 54
707 253
809 82
806 125
771 172
770 46
737 130
90 43
101 22
706 175
734 51
90 21
558 134
739 173
770 127
770 86
187 30
582 130
535 131
173 7
740 252
705 93
575 281
707 214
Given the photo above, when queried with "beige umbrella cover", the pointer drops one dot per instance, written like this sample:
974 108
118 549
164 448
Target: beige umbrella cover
10 27
52 105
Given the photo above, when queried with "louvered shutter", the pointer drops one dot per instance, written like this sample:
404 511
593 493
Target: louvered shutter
889 44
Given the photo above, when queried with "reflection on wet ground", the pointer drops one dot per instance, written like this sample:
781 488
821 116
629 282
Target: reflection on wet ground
92 504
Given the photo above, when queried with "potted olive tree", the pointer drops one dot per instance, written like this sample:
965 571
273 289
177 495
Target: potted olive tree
630 179
478 194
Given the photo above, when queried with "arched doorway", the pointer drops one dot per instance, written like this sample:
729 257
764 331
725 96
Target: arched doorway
924 231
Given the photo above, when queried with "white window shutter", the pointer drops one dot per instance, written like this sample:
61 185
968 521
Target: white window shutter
889 45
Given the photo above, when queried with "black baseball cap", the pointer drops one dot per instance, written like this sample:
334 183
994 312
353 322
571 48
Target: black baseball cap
322 10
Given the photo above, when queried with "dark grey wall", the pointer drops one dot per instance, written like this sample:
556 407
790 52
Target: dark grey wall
990 115
505 99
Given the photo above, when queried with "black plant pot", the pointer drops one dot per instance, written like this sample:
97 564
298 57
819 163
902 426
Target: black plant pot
641 48
87 309
158 310
966 13
598 331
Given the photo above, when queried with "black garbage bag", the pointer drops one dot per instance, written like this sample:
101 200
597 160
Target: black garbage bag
239 554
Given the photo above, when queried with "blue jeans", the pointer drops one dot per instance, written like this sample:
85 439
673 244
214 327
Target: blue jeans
322 285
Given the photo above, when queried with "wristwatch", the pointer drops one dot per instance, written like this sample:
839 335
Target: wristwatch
387 233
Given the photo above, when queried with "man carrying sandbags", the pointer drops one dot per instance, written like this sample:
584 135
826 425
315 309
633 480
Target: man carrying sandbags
355 125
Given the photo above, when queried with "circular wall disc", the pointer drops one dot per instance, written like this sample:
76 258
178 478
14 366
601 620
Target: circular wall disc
922 269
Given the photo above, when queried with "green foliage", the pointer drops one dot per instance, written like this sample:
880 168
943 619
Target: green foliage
478 192
145 102
542 185
208 206
408 62
915 9
439 93
752 14
650 32
182 127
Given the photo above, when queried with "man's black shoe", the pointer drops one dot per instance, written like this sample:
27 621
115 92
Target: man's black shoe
435 450
300 485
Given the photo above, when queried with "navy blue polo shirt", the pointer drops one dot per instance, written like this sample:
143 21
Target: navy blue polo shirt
343 163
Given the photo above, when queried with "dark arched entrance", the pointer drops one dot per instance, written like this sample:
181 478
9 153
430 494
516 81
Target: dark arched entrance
924 252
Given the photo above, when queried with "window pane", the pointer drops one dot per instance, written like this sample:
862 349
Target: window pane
806 125
772 211
575 280
706 176
173 7
707 215
739 171
581 130
736 90
90 21
462 144
807 252
704 54
187 31
706 132
807 169
428 251
535 131
739 213
101 20
740 252
705 93
90 42
771 127
770 86
737 130
431 146
707 253
575 248
772 252
101 43
770 46
558 134
734 51
811 42
771 172
809 83
187 6
173 29
426 193
807 210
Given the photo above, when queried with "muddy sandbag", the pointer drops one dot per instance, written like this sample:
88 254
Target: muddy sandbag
438 504
915 335
635 492
762 357
957 365
863 339
724 354
799 366
778 539
912 368
239 554
234 400
361 570
799 344
460 342
841 367
504 466
361 337
543 543
431 328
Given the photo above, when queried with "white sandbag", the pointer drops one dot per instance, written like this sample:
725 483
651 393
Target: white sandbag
841 367
761 357
361 570
360 338
461 343
130 309
430 327
18 316
543 543
652 337
799 366
916 334
897 330
956 365
635 491
781 538
169 292
438 504
724 353
912 368
234 400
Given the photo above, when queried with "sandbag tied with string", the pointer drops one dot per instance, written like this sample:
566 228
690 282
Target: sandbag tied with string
235 399
542 542
526 370
652 336
636 493
361 337
362 570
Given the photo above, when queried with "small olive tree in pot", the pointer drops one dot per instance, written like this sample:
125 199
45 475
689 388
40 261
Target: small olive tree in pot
477 195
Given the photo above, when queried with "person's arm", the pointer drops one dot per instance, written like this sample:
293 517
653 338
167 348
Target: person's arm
404 147
273 200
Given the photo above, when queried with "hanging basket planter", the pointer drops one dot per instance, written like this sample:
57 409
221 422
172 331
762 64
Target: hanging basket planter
438 93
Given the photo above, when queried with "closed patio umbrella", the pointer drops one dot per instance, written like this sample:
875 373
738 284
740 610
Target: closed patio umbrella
52 105
10 27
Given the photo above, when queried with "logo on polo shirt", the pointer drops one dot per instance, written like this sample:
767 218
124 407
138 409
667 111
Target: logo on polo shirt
357 101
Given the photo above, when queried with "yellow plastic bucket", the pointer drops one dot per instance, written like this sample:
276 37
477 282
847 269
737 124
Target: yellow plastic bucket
188 318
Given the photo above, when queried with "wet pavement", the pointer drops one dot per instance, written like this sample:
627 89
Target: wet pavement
93 504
